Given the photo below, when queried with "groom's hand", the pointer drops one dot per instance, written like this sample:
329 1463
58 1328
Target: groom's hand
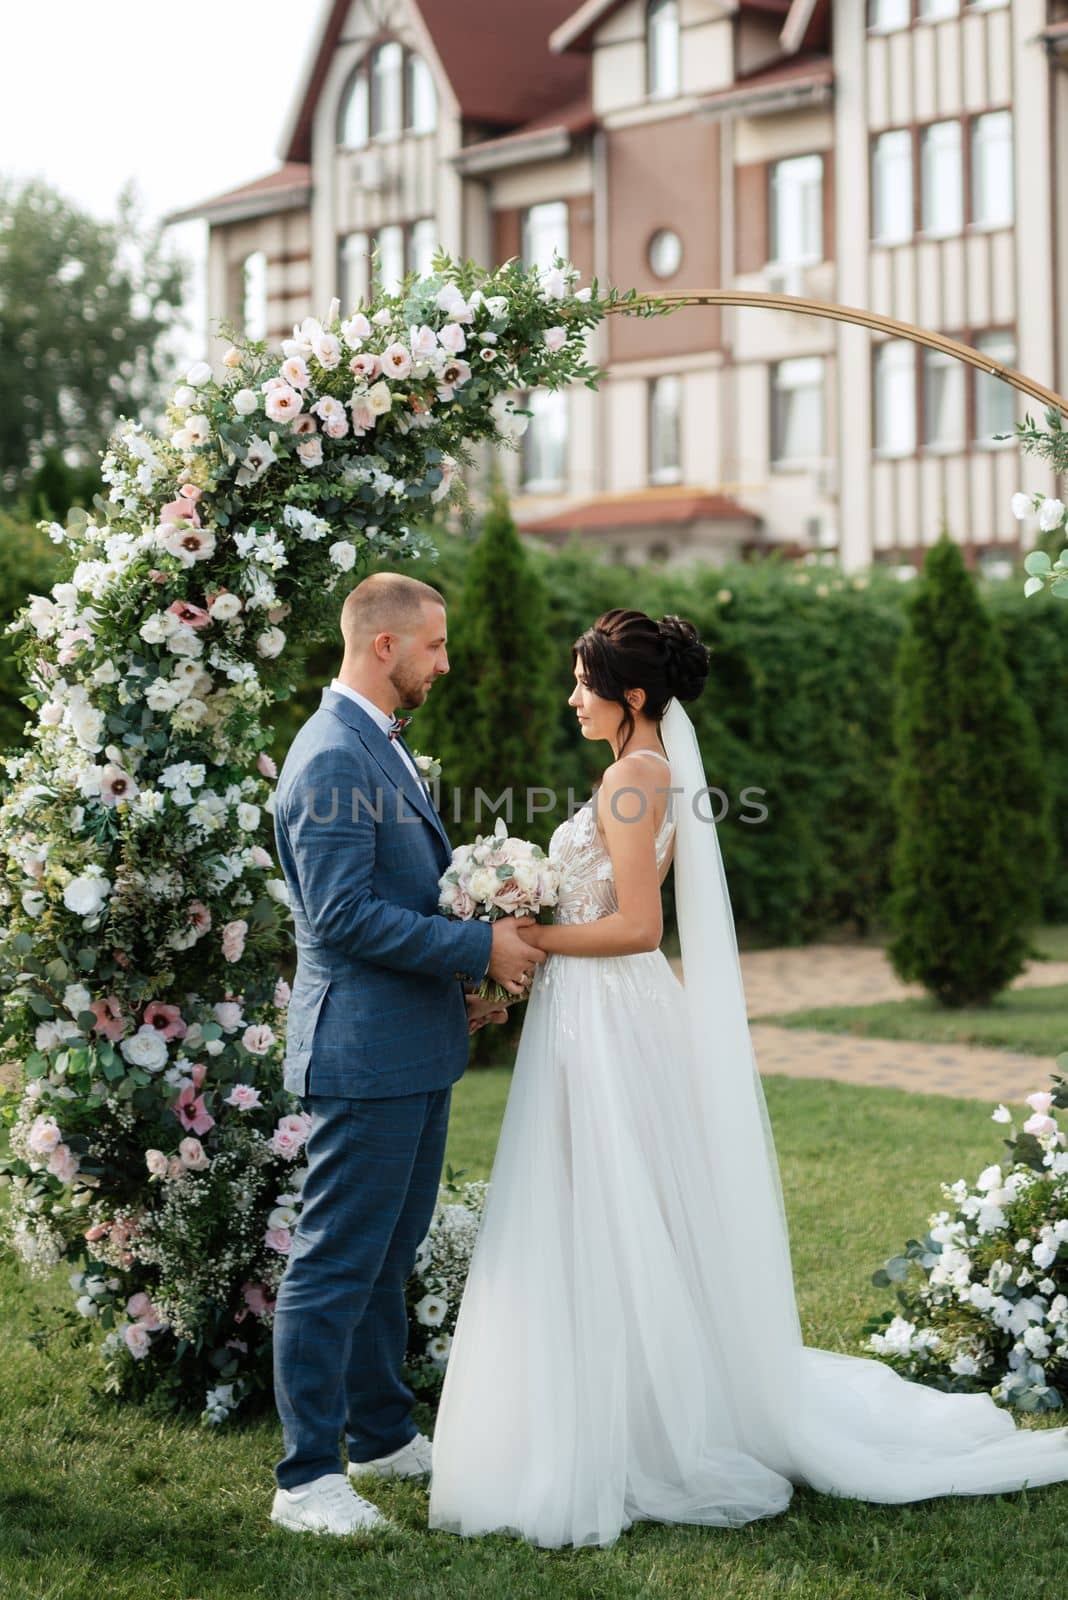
480 1011
512 960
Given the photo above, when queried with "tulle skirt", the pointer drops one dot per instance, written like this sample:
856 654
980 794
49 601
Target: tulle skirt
609 1363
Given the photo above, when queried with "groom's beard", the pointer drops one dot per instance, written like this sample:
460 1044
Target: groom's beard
410 690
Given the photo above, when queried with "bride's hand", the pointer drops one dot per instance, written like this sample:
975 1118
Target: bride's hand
531 934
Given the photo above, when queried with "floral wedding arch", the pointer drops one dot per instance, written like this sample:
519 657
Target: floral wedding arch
152 1143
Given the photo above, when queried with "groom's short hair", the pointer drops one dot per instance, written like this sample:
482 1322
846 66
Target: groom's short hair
386 602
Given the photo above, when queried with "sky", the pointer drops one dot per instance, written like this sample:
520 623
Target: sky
188 101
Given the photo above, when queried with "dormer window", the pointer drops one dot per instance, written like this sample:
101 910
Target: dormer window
662 49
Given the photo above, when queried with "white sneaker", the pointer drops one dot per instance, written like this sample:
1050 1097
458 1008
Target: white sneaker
326 1505
412 1460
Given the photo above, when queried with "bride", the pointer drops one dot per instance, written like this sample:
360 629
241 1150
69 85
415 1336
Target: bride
628 1346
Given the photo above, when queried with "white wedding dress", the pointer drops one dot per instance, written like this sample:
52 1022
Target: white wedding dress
628 1346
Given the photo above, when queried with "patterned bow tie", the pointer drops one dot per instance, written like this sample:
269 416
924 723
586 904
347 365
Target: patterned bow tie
397 726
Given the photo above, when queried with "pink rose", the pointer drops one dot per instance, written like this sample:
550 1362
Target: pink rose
555 339
176 1166
63 1163
189 491
282 993
266 765
137 1340
337 428
424 343
227 1014
294 371
243 1097
98 1231
364 416
260 857
44 1136
286 1145
139 1305
279 1239
257 1039
167 1020
191 1155
191 1111
233 939
453 338
365 366
1039 1125
1040 1102
297 1123
157 1163
310 453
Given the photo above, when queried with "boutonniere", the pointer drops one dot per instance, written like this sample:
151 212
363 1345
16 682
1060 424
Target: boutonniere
429 767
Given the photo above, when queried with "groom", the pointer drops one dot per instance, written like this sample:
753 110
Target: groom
377 1034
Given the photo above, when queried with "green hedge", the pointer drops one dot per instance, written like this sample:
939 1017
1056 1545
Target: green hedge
29 564
798 704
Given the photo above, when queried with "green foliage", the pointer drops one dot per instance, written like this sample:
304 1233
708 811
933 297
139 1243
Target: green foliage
84 306
969 793
29 564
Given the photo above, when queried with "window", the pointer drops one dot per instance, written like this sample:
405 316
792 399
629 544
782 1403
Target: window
254 295
545 442
421 107
422 243
943 401
662 48
992 184
941 179
665 446
389 273
931 10
354 270
545 233
891 186
995 405
353 127
387 90
797 209
797 410
895 398
886 14
665 252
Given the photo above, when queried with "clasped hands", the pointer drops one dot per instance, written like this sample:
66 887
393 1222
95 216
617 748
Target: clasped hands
513 959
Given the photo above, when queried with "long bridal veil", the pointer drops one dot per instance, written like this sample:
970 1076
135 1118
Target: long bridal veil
842 1424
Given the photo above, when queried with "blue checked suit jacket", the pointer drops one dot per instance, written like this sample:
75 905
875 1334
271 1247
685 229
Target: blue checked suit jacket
377 1007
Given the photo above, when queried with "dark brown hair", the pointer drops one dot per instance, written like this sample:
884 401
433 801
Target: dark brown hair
629 650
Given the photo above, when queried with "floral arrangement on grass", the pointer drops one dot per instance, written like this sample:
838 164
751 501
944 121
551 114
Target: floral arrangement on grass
498 876
151 1141
991 1311
436 1286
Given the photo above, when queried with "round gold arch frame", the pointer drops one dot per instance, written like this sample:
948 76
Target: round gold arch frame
862 319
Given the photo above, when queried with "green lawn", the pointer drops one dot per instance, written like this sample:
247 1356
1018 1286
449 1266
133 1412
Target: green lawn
99 1502
1033 1021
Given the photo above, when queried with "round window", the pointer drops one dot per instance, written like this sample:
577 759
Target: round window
665 253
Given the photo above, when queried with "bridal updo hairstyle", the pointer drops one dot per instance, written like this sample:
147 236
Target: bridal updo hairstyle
629 650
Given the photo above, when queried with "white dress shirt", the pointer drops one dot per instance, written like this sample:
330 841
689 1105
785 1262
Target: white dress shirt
384 721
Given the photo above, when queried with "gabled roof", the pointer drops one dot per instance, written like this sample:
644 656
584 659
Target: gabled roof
782 86
576 33
285 190
642 508
498 63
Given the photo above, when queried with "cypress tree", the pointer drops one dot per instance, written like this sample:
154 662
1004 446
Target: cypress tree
971 803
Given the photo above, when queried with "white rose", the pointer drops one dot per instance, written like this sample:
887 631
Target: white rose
146 1048
380 398
184 395
86 894
198 374
278 890
87 724
76 998
271 642
51 714
343 555
248 816
1021 506
245 402
185 642
160 696
158 627
497 306
555 339
33 902
430 1310
225 607
1050 515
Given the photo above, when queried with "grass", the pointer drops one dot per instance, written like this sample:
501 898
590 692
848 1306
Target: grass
1031 1021
102 1502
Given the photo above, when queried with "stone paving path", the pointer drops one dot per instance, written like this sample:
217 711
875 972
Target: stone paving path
778 981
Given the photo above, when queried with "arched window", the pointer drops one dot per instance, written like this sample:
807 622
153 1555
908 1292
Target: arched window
421 99
254 295
387 90
662 48
353 123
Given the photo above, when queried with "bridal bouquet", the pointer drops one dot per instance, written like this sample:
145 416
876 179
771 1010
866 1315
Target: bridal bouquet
498 876
991 1310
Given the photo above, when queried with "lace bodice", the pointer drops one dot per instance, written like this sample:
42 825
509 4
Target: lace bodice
588 892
